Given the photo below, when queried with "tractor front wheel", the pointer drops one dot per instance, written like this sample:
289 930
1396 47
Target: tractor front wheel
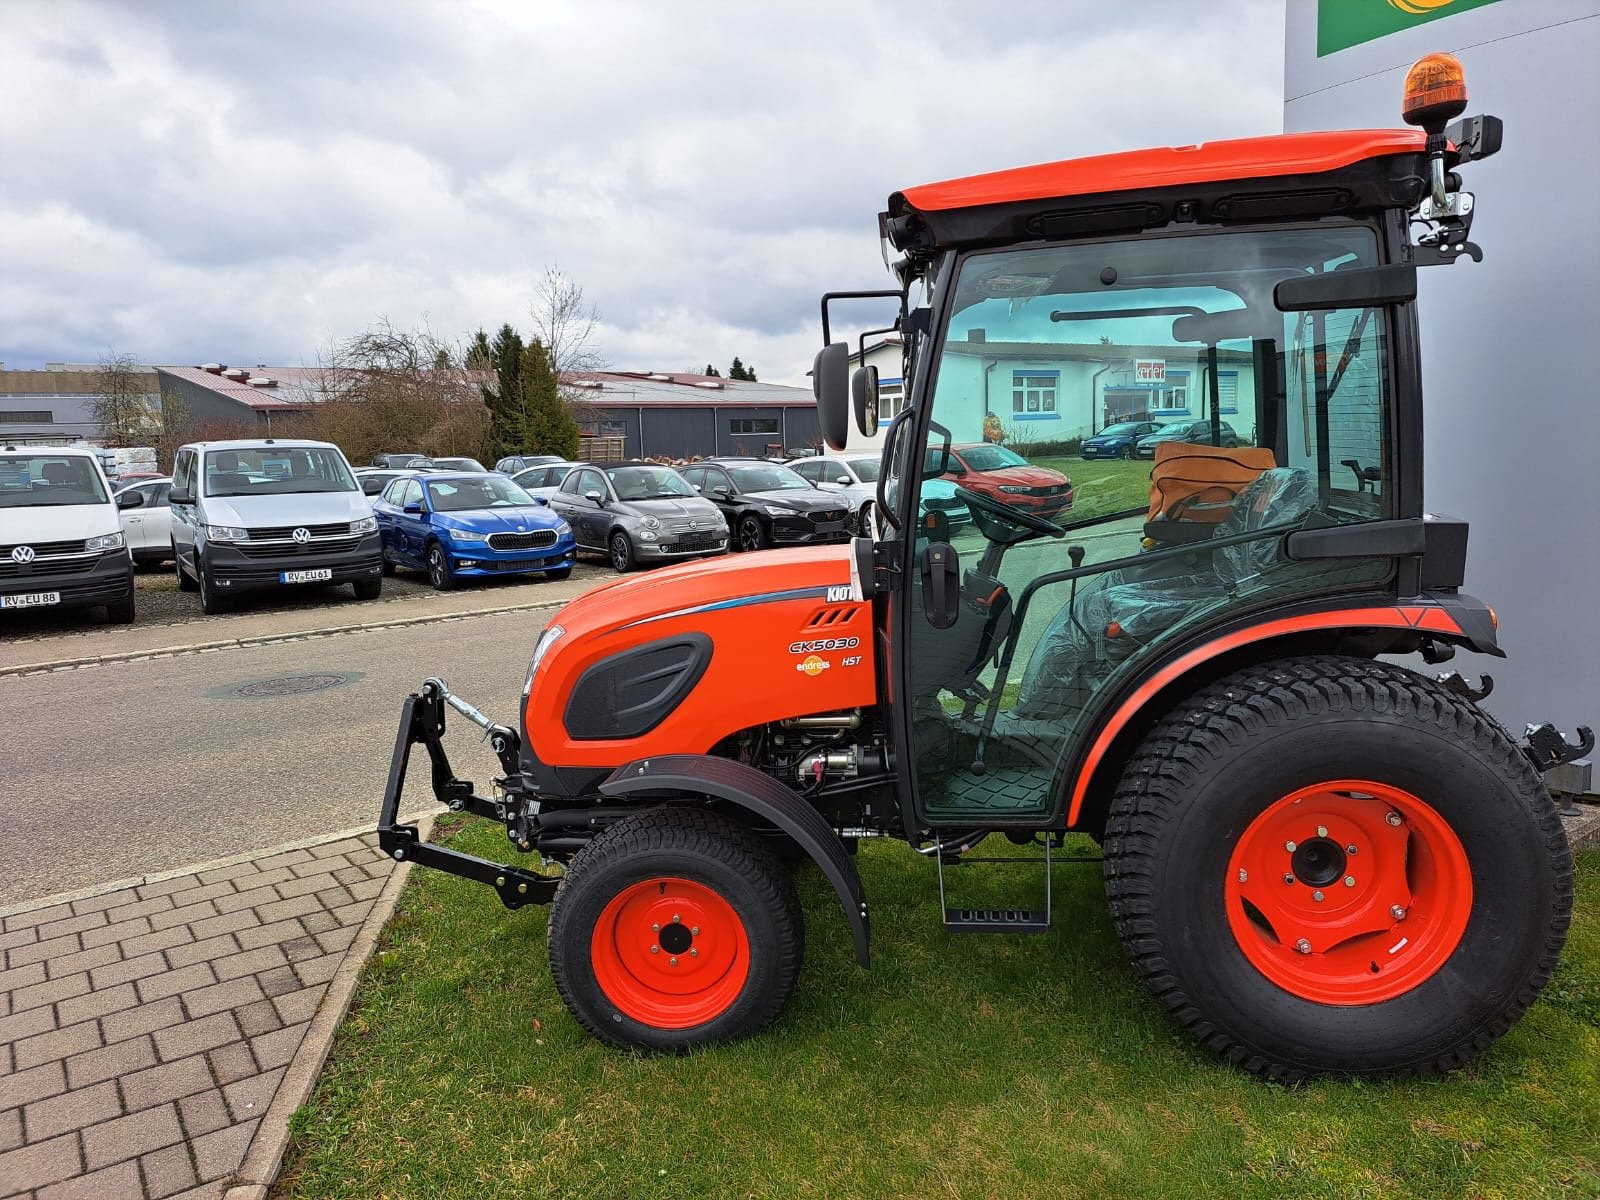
675 928
1333 865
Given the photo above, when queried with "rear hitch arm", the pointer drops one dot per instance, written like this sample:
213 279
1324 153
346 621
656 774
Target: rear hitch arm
422 720
1546 746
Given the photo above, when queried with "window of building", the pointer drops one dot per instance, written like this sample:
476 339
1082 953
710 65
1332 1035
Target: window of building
753 425
613 429
1033 393
891 399
28 416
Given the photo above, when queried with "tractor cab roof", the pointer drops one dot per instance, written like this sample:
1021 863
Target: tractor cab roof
1293 175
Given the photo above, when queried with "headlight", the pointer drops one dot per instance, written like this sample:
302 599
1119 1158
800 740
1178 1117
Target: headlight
777 510
227 533
650 522
546 640
465 535
648 535
364 525
1015 489
106 541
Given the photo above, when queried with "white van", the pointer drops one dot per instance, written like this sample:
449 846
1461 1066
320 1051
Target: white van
269 514
60 540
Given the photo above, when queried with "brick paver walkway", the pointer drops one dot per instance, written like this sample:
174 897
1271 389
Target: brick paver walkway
144 1031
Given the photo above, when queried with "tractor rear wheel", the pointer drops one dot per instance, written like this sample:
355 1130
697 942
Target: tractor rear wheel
1334 865
675 928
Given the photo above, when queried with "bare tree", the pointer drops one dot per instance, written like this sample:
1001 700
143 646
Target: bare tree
565 323
121 407
177 427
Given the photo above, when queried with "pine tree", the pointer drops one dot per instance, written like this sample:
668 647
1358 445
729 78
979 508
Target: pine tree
741 372
713 372
508 410
550 427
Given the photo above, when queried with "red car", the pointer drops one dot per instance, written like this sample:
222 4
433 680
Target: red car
1006 476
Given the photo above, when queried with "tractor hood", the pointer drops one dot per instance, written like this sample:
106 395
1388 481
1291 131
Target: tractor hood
676 660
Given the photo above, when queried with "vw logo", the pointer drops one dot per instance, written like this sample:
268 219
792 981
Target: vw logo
301 535
22 554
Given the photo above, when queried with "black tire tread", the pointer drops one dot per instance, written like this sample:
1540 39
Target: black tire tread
698 829
1160 775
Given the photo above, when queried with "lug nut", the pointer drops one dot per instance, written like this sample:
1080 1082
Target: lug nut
1322 831
676 918
695 930
1397 912
655 949
1244 876
1303 946
1289 846
673 960
1288 877
500 881
1351 849
1394 818
655 927
694 952
1317 896
1349 881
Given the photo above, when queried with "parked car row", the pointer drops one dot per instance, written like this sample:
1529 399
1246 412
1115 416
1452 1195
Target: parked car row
1139 439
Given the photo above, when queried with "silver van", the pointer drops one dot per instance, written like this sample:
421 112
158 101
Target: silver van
270 514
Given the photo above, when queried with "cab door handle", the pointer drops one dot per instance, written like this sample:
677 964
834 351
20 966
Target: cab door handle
941 571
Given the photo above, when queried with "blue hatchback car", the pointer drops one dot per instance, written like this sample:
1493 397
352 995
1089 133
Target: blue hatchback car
459 525
1116 441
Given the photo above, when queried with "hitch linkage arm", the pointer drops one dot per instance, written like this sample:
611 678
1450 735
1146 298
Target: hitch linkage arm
1547 747
422 720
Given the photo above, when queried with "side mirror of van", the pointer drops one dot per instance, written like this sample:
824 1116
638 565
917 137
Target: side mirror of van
175 497
130 499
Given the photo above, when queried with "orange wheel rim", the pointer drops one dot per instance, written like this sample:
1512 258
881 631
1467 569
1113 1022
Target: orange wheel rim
670 953
1348 892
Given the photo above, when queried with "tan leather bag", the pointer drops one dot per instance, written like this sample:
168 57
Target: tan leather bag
1190 482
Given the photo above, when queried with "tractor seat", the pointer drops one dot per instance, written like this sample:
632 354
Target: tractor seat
1116 610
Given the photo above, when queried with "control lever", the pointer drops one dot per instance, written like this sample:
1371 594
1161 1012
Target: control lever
1075 554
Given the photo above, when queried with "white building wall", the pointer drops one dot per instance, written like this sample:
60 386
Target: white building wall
1512 424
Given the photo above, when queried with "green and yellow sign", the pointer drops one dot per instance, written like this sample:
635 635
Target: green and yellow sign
1345 23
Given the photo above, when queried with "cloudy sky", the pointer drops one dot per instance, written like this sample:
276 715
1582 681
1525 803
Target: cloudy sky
188 181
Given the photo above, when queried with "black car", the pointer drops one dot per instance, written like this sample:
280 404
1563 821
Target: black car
1116 441
1198 432
768 504
521 462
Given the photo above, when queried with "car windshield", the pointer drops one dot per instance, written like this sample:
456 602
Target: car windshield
991 458
276 471
866 469
460 495
771 477
1127 429
647 483
49 480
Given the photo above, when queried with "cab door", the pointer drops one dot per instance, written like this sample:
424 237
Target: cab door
1017 628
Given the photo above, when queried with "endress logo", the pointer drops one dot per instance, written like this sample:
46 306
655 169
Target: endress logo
812 665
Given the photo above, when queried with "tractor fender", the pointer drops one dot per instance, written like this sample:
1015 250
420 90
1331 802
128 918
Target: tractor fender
750 789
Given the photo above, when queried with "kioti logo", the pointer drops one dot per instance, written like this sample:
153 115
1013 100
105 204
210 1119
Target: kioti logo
813 666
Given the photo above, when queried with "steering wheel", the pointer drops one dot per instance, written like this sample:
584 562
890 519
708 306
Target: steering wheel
1015 517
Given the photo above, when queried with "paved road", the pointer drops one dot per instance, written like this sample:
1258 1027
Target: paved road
131 768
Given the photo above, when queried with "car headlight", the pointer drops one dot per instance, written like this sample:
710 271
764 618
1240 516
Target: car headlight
546 640
106 541
364 525
1016 489
777 510
650 522
465 535
227 533
648 535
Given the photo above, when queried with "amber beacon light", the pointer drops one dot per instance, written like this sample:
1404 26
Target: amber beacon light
1436 91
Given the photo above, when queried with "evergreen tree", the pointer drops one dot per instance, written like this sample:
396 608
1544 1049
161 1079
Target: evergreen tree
508 409
741 372
550 427
713 372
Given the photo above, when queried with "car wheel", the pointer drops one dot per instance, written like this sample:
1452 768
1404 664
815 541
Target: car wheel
675 928
120 612
1127 453
388 567
367 589
864 520
621 552
211 601
185 584
559 574
752 533
439 573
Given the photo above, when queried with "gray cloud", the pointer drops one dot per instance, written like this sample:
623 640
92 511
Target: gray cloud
187 180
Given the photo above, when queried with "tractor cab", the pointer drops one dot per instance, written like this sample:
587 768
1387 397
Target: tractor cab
1253 301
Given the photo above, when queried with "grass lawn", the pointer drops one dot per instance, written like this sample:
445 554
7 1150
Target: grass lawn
1102 485
956 1067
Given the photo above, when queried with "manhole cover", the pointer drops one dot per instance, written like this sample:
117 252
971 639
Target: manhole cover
288 685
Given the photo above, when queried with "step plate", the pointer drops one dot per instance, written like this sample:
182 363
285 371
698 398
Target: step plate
996 920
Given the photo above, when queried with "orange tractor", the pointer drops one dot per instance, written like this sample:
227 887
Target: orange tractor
1318 860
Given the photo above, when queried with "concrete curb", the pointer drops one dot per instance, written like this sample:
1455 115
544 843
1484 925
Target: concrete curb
90 660
265 1155
100 889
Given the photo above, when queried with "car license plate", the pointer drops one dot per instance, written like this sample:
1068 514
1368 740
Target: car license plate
320 575
30 600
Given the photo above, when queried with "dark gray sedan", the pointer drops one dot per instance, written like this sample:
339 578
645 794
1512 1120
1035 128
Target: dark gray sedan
638 512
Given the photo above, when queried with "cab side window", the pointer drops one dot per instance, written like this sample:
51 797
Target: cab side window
183 473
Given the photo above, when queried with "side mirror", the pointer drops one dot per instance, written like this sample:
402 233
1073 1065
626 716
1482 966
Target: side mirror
414 507
830 383
175 497
844 479
371 487
595 497
697 487
864 400
1361 287
130 500
722 493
